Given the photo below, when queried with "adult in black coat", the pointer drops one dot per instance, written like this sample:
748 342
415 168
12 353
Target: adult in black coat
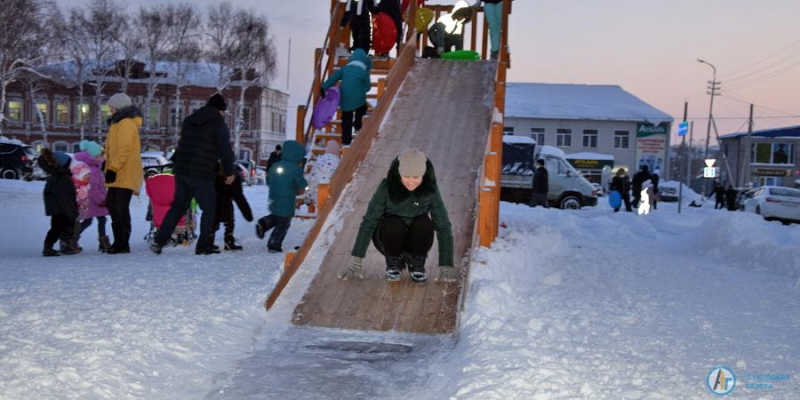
59 202
719 195
730 196
540 185
274 157
622 184
636 184
654 178
204 140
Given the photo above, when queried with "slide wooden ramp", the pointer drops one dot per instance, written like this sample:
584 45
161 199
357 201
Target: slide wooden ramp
444 108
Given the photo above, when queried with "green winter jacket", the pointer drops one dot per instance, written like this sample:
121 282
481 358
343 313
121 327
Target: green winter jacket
392 198
355 81
285 180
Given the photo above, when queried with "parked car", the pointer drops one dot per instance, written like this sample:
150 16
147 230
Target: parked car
744 195
261 175
17 160
154 162
250 167
667 194
775 203
598 189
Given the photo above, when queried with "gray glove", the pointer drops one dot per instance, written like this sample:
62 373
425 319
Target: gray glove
447 274
354 269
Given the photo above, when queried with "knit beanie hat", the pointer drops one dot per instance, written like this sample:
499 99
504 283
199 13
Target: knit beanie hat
119 101
62 159
93 148
412 163
218 102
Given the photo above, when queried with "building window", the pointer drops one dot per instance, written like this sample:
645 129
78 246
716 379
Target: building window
590 138
282 123
563 137
537 134
62 113
76 147
773 153
245 118
508 130
175 116
14 111
621 139
41 115
154 116
81 112
61 146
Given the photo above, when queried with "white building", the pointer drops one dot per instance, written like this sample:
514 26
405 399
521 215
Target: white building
598 119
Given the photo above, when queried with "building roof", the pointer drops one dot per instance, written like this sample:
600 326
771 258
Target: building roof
579 102
785 132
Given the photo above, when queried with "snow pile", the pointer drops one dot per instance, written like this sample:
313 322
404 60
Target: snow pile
748 241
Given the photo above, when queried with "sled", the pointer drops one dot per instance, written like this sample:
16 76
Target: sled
384 33
615 199
462 55
424 18
325 108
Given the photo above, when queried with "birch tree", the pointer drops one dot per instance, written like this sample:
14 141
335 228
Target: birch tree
154 25
184 51
129 40
220 41
74 73
23 42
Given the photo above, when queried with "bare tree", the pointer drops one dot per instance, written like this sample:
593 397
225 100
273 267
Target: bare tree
253 56
33 83
184 52
102 20
220 42
154 25
75 73
24 42
129 39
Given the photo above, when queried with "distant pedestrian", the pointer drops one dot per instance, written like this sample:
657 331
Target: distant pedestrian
636 184
654 178
285 182
719 195
59 202
123 171
204 140
274 157
540 185
622 184
730 197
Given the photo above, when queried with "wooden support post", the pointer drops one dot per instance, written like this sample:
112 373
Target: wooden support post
317 84
301 121
323 191
474 37
288 259
485 38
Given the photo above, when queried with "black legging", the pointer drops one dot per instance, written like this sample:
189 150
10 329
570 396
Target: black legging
393 237
61 227
350 121
118 202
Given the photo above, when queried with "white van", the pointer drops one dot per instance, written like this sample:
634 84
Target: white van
567 188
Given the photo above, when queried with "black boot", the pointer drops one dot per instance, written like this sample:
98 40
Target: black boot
394 266
416 268
230 244
48 250
66 248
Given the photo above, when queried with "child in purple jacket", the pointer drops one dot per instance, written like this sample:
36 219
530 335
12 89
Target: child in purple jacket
91 192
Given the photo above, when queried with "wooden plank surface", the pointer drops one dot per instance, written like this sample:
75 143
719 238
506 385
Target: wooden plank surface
444 108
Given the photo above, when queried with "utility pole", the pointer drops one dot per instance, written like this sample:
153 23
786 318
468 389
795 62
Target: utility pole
713 91
689 162
683 146
746 149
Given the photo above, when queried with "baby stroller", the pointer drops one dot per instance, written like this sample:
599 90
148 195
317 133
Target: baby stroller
161 190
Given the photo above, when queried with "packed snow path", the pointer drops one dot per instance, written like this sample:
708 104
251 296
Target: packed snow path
583 304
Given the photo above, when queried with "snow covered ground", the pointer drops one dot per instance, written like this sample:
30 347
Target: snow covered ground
583 304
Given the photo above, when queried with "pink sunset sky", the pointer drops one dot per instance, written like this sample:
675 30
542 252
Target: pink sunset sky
650 48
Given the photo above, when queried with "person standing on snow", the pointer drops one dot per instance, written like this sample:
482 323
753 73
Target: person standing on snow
123 172
94 203
401 218
719 196
274 157
226 196
654 178
285 181
638 180
355 85
622 184
204 140
59 202
730 197
540 185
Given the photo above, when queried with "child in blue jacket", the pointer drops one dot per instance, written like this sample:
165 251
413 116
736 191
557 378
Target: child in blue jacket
285 181
354 88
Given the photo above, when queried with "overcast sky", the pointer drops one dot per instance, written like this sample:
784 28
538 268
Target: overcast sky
647 47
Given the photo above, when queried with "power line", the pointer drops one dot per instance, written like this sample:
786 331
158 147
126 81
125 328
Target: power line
759 105
764 78
760 70
733 74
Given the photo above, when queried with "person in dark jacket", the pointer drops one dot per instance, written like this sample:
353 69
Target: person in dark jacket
730 197
636 185
204 140
447 32
226 196
356 12
59 202
392 9
274 157
719 195
654 178
354 88
285 181
401 218
540 185
622 184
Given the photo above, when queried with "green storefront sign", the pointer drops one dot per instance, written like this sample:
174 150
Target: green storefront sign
591 164
643 130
